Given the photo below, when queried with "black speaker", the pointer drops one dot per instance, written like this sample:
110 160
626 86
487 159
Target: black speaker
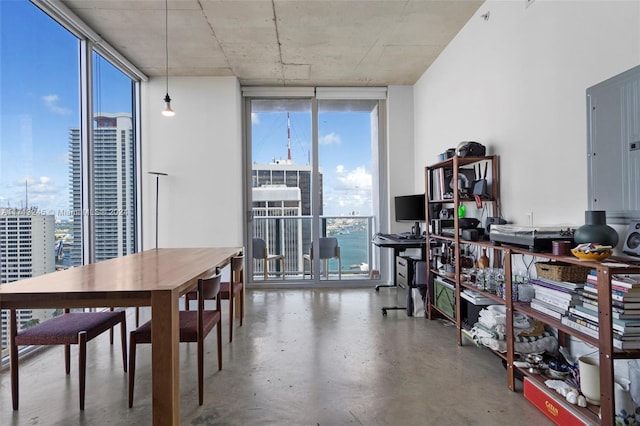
632 241
470 234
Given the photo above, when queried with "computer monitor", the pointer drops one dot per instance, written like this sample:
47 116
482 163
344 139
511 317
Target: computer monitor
410 208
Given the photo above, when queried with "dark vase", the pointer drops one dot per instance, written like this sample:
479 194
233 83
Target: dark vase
595 230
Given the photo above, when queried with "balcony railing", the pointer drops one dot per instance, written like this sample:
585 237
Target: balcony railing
291 236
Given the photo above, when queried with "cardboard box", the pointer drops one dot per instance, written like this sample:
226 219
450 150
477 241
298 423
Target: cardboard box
445 296
554 406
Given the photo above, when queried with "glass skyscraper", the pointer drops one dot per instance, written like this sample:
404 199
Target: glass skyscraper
114 187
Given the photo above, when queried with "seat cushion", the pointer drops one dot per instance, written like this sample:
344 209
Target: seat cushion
188 326
224 289
64 329
192 295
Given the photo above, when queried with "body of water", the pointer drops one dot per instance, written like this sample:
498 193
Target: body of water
353 248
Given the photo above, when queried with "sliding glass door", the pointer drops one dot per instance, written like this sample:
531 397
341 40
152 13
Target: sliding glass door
281 186
314 176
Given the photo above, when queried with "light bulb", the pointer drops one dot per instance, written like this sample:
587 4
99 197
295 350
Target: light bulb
168 112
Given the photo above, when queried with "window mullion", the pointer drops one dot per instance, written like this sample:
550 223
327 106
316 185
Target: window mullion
86 152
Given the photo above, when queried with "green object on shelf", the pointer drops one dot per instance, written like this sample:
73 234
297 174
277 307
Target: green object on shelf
462 210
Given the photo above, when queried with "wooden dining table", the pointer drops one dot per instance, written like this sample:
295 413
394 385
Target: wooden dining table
155 278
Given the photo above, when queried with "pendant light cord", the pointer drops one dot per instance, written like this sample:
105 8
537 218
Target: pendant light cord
166 40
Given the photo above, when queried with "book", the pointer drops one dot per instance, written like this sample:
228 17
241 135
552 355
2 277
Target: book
584 321
558 303
625 290
552 285
589 330
547 309
626 344
615 294
631 281
592 298
628 281
583 329
618 324
554 293
559 285
615 312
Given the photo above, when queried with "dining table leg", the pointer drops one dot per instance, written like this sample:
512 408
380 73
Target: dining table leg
165 357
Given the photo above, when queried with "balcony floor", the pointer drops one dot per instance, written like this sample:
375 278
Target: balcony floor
303 357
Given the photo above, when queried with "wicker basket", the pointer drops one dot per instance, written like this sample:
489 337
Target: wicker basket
560 271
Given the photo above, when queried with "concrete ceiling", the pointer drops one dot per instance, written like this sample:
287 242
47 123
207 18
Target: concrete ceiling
281 42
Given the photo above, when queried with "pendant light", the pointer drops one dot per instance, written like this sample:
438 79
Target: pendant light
167 112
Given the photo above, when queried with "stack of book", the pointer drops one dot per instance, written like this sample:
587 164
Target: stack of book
554 298
625 310
475 297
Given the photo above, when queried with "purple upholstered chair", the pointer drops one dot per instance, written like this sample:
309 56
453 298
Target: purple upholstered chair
194 327
75 328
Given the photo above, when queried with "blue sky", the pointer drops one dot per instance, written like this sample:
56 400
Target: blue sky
344 153
39 103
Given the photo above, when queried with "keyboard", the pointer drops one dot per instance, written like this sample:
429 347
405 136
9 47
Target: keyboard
401 236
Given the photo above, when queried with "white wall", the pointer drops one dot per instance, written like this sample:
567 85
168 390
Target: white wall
517 83
201 150
399 150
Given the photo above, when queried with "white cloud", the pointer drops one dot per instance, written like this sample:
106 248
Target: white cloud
41 192
51 102
358 179
330 139
255 118
351 192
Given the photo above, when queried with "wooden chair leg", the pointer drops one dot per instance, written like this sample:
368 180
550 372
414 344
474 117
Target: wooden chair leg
219 341
132 368
13 331
241 305
200 369
137 317
111 331
123 342
67 358
82 365
231 301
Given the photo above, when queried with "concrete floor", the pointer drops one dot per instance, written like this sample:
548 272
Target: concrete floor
303 357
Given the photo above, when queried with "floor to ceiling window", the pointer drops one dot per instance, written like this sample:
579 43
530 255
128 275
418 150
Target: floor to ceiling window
67 185
314 176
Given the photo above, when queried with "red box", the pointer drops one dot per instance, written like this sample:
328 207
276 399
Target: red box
554 406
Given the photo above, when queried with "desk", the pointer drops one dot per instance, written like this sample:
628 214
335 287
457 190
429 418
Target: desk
155 278
398 245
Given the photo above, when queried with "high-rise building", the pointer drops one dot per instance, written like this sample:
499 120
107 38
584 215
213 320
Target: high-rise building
27 249
283 189
290 175
114 187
